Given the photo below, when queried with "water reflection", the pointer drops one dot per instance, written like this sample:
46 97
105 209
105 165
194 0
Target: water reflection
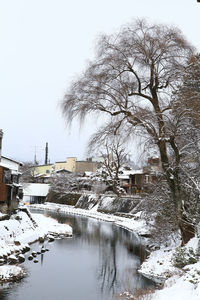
98 262
120 254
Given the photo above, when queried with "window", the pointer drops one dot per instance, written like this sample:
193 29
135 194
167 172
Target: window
6 176
146 179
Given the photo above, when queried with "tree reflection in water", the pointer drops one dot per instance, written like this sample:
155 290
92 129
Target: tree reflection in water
108 269
120 257
119 253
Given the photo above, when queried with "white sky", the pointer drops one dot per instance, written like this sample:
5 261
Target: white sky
44 44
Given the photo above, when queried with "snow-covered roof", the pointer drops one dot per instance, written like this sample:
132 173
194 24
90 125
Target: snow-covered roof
9 163
15 172
41 175
4 165
11 160
16 184
133 172
127 173
88 173
63 170
36 189
123 176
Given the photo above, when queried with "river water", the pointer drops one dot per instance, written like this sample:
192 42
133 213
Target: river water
97 263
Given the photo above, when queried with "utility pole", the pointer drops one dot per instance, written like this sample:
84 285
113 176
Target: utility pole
1 137
35 156
46 154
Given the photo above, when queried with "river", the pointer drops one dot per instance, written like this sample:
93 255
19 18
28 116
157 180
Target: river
97 263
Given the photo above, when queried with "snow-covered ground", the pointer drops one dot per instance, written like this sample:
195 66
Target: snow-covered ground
179 284
137 225
17 233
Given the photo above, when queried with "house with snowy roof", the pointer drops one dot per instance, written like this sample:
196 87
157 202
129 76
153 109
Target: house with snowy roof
132 180
141 180
10 188
35 192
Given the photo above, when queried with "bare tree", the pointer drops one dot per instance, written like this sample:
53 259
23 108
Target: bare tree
188 93
63 183
132 81
114 156
186 108
27 172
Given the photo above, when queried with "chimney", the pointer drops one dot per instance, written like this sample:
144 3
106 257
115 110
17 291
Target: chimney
46 154
1 137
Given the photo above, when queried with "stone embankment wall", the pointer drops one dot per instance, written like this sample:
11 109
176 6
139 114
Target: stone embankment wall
67 198
106 203
87 201
116 205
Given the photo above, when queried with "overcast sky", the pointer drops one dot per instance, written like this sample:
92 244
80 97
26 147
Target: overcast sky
44 45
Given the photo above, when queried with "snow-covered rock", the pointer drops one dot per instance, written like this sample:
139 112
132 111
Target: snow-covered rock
16 234
9 273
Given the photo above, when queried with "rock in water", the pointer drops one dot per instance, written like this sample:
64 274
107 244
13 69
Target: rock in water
21 258
51 239
26 249
34 253
12 259
41 239
35 261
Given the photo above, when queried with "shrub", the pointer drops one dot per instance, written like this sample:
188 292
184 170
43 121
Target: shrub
184 256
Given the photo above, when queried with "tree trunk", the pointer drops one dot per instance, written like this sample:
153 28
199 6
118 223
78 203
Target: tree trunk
186 227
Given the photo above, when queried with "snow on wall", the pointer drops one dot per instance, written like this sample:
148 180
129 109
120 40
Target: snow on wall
87 201
113 204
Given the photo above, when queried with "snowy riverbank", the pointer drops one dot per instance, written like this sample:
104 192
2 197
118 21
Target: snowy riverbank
179 284
16 235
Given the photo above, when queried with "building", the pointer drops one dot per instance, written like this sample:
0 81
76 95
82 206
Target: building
142 180
10 189
1 137
43 169
154 164
35 192
42 173
73 165
86 166
69 164
132 181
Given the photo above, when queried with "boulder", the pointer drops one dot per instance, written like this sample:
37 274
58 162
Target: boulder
35 261
34 253
12 259
21 258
